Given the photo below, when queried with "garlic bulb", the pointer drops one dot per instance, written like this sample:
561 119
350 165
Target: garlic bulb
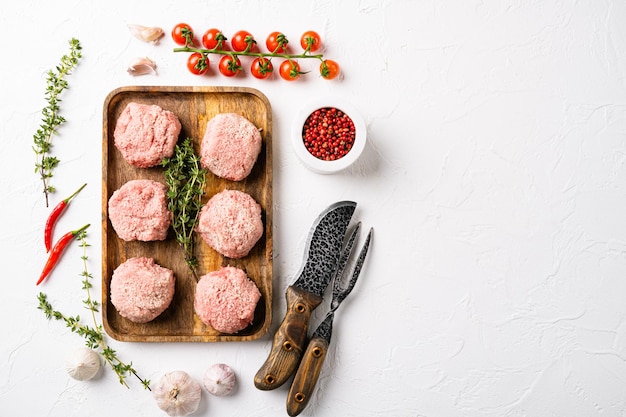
83 364
142 66
177 393
145 33
219 379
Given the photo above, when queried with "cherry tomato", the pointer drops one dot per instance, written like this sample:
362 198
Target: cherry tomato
310 41
197 63
182 34
261 68
242 40
276 43
229 65
329 69
289 70
211 39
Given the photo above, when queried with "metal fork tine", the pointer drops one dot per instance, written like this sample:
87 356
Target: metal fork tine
345 255
340 294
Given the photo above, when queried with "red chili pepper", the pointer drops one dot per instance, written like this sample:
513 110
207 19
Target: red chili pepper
54 216
58 250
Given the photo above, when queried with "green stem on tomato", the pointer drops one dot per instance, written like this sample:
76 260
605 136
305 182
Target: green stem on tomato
250 42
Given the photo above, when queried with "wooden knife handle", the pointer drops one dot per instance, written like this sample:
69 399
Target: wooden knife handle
289 340
307 375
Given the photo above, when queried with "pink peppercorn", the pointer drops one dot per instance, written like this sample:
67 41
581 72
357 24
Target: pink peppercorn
328 134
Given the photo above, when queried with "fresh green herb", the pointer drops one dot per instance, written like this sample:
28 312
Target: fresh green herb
185 180
94 335
52 119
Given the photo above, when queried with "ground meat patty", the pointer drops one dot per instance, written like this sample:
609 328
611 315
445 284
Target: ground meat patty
230 146
141 289
226 299
230 222
138 211
145 134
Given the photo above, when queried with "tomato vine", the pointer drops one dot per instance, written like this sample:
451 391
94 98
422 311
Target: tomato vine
244 44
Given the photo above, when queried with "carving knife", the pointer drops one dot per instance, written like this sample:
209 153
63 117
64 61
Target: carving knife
309 369
321 257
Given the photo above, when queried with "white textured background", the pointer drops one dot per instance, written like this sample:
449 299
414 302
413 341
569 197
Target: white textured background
495 179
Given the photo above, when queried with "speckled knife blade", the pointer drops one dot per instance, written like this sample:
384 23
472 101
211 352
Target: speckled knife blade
321 258
323 248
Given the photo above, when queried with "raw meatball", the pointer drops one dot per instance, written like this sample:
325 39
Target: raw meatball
141 289
226 299
230 147
145 134
230 222
138 211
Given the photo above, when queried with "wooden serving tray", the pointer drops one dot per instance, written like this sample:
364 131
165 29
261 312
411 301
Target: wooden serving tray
194 106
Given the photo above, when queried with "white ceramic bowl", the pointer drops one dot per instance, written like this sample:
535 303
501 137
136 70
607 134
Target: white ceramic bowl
318 165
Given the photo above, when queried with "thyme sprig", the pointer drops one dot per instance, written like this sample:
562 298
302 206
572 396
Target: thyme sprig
185 180
94 335
52 119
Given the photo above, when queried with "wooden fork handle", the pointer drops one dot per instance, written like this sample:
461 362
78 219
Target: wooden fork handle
306 376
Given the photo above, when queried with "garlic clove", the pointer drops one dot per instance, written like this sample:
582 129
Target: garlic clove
83 364
219 380
177 393
142 66
145 33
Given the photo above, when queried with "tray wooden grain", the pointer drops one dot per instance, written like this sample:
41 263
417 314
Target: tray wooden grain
194 106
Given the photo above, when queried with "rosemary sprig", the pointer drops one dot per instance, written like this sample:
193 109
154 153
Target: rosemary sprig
52 119
94 335
185 180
